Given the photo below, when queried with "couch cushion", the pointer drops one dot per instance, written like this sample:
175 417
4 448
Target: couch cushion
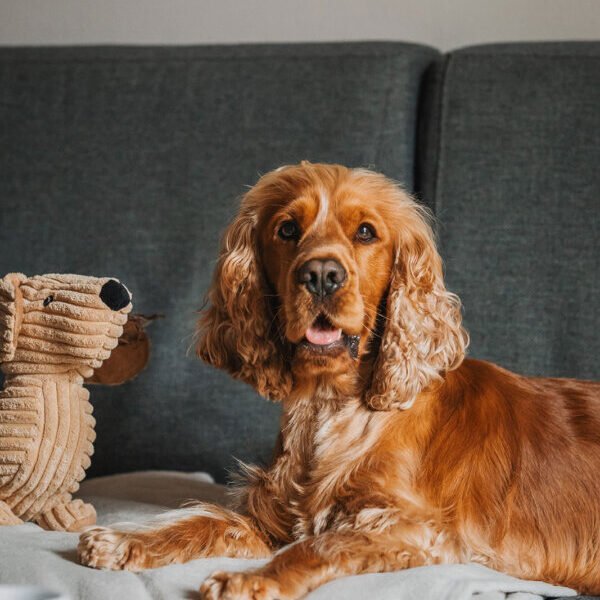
127 162
512 167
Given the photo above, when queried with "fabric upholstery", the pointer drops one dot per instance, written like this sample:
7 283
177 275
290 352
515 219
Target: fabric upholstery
127 161
511 159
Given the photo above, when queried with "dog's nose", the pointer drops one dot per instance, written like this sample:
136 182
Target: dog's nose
322 277
115 295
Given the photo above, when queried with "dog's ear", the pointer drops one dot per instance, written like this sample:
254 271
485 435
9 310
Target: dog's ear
11 307
237 330
422 336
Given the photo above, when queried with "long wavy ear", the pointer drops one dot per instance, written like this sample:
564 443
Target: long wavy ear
237 329
423 336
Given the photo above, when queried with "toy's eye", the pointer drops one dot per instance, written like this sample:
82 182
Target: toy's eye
48 300
289 230
365 233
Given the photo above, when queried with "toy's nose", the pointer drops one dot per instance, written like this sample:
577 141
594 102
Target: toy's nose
115 295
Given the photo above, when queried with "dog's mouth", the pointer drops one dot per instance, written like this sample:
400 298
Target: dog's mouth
323 337
323 332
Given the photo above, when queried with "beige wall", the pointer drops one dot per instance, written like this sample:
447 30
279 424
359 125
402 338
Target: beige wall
442 23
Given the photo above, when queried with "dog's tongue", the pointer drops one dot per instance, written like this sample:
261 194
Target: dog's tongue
321 337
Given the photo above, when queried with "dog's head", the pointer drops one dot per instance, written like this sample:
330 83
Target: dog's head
326 271
58 323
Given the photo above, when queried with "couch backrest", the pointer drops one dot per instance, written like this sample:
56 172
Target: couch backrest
127 162
512 165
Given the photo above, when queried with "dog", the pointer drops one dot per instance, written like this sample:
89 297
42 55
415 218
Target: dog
395 450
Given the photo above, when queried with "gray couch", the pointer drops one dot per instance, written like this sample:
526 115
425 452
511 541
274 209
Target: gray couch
127 161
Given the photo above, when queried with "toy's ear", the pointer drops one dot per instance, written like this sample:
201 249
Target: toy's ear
11 314
131 355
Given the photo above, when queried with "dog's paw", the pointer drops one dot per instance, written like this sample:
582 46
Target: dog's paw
240 586
105 548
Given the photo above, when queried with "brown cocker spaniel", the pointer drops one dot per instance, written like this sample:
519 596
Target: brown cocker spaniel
395 451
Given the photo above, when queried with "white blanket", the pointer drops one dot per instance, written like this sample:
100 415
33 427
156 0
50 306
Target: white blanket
29 555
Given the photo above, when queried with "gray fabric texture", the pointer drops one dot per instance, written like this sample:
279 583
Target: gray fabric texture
511 164
127 162
30 555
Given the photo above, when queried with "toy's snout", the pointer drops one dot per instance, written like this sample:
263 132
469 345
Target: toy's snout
115 295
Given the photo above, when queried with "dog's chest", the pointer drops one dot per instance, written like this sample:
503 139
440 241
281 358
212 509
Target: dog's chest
329 473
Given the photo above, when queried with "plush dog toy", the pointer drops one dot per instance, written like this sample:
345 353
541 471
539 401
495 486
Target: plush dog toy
55 330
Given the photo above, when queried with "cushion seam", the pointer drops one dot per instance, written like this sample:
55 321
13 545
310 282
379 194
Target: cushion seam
460 55
100 60
436 195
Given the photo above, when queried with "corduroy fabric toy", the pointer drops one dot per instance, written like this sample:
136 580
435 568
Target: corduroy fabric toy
54 331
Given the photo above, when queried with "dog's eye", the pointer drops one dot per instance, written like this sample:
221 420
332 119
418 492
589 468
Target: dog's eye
289 230
365 233
48 300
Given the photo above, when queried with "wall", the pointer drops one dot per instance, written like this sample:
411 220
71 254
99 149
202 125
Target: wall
445 24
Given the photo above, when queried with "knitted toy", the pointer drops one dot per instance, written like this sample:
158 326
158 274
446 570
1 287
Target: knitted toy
54 331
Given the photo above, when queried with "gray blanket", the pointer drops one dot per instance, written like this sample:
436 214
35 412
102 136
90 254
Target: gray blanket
29 555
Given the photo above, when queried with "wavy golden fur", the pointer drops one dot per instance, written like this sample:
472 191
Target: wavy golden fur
394 451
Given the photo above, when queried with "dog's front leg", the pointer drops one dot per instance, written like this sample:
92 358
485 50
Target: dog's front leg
307 564
179 536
